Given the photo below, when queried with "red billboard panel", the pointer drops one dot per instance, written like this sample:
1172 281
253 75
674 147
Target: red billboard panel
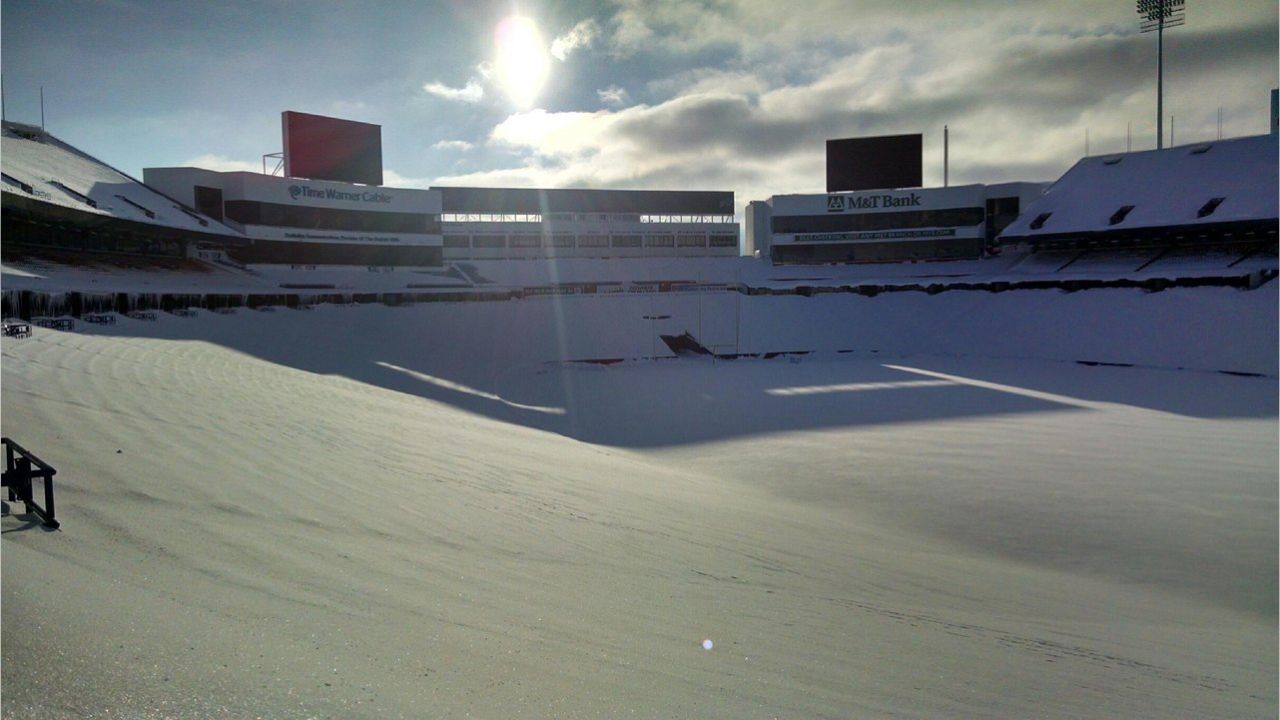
325 148
874 163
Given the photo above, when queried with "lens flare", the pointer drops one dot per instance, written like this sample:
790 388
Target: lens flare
522 63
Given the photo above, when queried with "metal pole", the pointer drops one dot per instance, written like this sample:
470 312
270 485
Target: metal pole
1160 79
1275 111
653 332
737 313
946 148
41 107
8 459
50 519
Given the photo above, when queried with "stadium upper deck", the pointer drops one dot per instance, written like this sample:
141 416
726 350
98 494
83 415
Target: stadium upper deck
55 195
1175 202
1226 190
297 221
509 223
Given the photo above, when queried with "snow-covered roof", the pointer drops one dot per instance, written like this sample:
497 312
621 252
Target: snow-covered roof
40 167
1225 181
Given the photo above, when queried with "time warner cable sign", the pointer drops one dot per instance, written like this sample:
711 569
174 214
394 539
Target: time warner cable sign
306 191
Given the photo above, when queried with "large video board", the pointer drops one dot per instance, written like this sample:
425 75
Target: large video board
325 148
874 163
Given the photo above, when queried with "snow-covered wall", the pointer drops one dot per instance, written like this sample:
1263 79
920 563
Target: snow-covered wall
1201 328
1211 328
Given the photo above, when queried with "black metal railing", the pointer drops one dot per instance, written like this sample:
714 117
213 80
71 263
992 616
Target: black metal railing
21 469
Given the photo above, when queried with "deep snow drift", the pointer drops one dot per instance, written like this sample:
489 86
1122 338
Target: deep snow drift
421 512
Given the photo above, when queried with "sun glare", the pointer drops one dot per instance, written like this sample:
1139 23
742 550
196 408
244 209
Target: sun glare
522 62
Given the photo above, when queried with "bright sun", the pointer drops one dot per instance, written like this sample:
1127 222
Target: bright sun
522 62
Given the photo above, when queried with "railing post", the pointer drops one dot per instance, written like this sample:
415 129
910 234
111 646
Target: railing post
8 464
49 520
19 478
22 477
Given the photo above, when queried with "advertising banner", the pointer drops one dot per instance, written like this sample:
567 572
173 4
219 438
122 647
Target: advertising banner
267 232
879 235
292 191
877 201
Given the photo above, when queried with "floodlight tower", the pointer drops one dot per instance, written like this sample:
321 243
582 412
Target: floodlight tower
1158 15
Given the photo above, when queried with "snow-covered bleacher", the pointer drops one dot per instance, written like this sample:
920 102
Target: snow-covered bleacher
1133 217
39 167
1223 259
1222 191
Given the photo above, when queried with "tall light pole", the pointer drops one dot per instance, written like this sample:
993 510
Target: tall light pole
1158 15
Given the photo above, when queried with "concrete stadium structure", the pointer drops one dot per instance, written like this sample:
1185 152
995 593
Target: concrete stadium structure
1203 193
511 223
317 222
889 225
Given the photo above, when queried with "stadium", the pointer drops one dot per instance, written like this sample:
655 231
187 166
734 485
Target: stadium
1204 215
327 447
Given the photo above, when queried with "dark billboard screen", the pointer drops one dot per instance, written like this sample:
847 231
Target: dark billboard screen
325 148
874 163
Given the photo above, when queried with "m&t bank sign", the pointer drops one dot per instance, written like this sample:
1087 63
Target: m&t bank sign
843 203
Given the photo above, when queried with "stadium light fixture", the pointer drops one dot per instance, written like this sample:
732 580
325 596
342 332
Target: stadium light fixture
1158 15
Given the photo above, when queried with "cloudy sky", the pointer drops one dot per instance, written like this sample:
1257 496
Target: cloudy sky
724 94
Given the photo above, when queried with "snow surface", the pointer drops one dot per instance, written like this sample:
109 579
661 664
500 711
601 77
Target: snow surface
364 511
1165 187
39 163
484 275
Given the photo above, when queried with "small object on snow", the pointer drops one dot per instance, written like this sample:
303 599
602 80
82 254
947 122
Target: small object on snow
707 644
119 451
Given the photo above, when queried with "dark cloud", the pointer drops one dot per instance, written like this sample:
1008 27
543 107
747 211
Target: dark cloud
1089 71
1018 90
709 123
1034 81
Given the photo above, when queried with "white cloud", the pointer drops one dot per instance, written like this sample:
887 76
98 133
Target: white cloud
472 92
217 163
561 135
347 107
529 176
581 35
702 80
391 178
453 145
613 95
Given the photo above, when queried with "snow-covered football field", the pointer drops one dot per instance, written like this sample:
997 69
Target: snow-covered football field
424 512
